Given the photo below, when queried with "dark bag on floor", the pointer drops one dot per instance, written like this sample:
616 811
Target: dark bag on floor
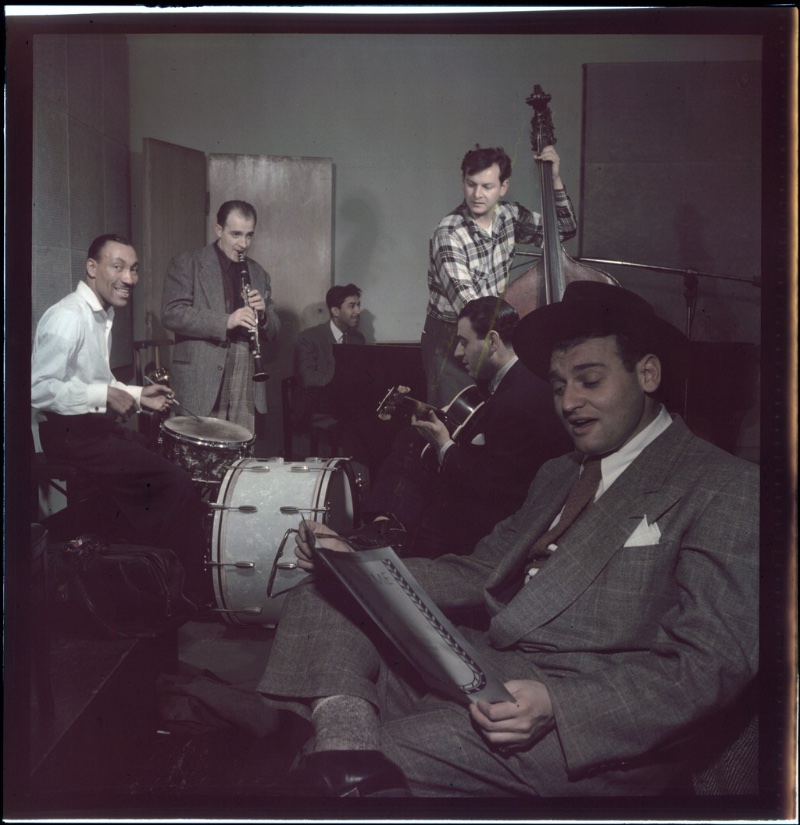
129 591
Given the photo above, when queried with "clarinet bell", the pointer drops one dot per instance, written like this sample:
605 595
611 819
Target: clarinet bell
259 376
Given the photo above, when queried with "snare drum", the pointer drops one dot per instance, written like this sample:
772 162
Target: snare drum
205 448
250 531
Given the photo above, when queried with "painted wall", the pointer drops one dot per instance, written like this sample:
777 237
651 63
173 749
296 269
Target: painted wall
81 164
395 113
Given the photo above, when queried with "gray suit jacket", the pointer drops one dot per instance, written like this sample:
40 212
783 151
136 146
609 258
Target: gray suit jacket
638 634
314 361
193 307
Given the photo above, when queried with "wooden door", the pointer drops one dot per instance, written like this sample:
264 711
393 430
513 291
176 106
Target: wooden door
173 211
293 198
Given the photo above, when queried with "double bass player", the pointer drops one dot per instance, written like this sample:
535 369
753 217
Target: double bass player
471 253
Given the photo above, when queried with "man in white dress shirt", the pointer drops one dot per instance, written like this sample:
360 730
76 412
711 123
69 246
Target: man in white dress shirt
82 409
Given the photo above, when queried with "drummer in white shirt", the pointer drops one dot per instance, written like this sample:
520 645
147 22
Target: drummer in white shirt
81 409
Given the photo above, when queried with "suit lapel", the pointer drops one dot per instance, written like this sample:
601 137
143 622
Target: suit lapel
535 517
592 541
210 279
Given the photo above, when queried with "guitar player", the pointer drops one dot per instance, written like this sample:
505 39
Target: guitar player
477 472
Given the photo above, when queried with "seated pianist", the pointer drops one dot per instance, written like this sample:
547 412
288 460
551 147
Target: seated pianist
314 360
337 404
448 488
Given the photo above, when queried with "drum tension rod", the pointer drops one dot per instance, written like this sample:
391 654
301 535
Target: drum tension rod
244 508
244 565
253 610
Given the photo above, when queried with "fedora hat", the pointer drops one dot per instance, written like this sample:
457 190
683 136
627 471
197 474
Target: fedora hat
596 309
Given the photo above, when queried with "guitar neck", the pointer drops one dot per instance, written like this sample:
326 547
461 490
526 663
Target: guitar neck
422 407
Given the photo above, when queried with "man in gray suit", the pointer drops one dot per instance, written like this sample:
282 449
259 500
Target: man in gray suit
212 365
620 640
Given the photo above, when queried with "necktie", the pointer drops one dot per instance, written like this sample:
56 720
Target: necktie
580 496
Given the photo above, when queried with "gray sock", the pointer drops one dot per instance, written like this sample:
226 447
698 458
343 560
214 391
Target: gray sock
344 723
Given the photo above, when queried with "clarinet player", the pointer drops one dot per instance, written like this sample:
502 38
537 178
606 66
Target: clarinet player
217 333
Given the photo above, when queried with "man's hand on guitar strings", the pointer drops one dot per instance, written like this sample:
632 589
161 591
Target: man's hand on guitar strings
431 428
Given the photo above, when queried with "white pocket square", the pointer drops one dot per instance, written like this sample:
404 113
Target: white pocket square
644 534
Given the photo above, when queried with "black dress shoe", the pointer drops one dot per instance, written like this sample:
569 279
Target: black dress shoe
348 774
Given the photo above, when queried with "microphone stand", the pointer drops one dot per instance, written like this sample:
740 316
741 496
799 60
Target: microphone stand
690 280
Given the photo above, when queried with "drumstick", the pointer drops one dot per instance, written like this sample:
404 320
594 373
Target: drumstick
175 401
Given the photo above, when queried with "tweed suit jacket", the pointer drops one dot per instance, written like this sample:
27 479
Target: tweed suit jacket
314 359
639 633
193 307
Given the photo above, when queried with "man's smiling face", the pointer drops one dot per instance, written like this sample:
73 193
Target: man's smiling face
114 274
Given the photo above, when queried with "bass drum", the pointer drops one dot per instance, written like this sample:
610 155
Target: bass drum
250 532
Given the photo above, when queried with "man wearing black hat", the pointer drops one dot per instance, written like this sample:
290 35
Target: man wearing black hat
622 625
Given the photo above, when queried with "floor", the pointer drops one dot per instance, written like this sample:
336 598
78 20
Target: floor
210 748
213 739
140 730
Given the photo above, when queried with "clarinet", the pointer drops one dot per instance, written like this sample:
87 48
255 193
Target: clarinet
255 344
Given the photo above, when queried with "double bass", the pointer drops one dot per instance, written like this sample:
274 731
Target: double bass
545 282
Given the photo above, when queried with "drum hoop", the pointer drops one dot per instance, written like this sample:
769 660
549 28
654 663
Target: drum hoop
203 442
331 466
206 442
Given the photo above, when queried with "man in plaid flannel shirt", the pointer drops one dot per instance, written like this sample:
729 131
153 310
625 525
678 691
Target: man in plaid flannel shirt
471 252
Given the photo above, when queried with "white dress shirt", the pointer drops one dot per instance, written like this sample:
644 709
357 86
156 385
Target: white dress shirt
615 464
70 368
338 335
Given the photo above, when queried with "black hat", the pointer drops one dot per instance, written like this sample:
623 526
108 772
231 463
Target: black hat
596 309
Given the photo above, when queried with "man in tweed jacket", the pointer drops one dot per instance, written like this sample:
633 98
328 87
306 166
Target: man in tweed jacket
212 366
640 626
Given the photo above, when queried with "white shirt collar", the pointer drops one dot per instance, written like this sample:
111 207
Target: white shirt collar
501 374
612 466
87 293
336 332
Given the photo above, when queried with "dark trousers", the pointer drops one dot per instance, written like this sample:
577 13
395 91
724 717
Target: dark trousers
156 498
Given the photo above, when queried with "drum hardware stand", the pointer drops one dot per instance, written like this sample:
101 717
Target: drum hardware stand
277 564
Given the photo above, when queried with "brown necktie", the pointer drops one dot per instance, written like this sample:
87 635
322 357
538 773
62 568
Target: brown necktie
580 496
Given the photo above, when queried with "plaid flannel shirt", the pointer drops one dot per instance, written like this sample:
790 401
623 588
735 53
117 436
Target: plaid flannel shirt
468 262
